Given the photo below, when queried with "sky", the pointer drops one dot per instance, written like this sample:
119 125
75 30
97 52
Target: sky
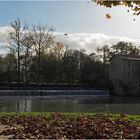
84 22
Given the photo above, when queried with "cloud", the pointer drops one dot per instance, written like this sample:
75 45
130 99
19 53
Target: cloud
88 42
4 39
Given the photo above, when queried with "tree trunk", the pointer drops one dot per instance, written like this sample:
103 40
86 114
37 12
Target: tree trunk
18 59
26 73
39 56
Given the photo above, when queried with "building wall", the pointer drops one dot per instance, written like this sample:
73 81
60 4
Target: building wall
125 76
116 75
134 79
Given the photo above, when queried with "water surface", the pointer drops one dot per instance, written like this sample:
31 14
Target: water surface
109 104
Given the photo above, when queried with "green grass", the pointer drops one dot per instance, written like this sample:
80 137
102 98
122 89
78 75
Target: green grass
135 119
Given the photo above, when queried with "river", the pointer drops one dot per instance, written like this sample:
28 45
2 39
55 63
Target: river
94 103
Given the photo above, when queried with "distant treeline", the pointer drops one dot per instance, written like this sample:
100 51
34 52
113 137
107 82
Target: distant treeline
72 66
33 56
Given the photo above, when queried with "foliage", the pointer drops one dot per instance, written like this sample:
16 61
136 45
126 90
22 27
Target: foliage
57 126
16 36
132 5
43 38
92 71
60 65
121 48
35 57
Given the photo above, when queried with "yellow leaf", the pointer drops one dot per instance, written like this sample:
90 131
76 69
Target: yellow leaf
108 16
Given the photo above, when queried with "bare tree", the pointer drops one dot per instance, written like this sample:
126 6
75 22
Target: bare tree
16 35
43 39
27 42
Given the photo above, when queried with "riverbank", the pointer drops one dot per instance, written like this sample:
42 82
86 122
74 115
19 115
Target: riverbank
70 126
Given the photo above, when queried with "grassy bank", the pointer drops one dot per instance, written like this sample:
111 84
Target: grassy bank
70 125
133 118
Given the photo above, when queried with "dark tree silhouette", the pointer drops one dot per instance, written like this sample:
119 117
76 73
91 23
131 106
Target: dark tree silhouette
16 36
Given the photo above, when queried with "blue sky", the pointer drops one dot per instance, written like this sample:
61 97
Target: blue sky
72 17
84 22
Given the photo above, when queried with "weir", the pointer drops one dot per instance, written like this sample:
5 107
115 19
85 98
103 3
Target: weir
17 92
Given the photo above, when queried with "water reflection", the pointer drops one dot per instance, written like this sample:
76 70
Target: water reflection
71 104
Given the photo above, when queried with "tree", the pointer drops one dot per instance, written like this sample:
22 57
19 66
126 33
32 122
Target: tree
2 74
133 5
9 63
104 53
124 48
70 65
16 35
43 39
57 50
27 42
50 68
95 73
121 48
55 60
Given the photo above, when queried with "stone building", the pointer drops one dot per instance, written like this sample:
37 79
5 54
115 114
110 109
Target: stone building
125 74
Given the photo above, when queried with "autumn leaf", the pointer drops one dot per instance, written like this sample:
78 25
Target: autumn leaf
133 5
108 16
59 126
